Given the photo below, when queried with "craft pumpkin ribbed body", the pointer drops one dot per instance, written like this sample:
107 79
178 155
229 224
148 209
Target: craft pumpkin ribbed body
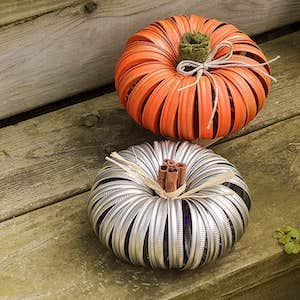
185 231
148 84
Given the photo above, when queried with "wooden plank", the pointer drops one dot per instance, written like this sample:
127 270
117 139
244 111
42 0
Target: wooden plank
17 10
68 51
23 10
53 253
57 155
64 149
285 286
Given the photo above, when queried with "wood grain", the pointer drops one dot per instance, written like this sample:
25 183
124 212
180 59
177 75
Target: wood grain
67 51
55 156
20 10
285 286
52 253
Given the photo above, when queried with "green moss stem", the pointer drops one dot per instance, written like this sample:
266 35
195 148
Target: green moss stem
194 46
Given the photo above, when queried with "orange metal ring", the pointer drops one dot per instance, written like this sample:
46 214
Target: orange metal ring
147 81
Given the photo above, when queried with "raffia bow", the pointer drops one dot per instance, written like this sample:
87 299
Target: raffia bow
224 61
181 193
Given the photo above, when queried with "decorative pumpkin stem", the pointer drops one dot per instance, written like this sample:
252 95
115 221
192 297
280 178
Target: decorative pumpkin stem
194 46
171 175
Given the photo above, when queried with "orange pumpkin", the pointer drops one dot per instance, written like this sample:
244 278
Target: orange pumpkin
157 97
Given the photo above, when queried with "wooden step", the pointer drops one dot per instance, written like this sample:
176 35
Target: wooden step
52 253
56 155
55 49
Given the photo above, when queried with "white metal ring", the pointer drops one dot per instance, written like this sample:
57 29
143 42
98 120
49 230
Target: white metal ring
145 229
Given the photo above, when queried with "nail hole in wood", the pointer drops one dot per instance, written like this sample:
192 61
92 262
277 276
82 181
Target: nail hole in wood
89 7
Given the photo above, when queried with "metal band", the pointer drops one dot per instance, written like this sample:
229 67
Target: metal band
145 229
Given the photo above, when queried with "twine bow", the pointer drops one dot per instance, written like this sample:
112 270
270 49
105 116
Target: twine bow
224 61
136 171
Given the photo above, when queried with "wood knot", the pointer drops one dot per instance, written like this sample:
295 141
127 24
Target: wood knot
294 147
89 7
89 120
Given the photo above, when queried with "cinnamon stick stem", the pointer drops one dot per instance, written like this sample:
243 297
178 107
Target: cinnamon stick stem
169 162
181 174
171 179
171 175
162 171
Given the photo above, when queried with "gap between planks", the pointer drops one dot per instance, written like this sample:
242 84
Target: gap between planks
51 107
32 249
79 62
86 189
56 155
88 95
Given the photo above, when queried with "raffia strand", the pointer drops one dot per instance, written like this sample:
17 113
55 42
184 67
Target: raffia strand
181 193
190 68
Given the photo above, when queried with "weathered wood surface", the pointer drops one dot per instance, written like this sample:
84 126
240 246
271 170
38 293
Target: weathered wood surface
22 10
283 287
57 155
67 51
52 253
